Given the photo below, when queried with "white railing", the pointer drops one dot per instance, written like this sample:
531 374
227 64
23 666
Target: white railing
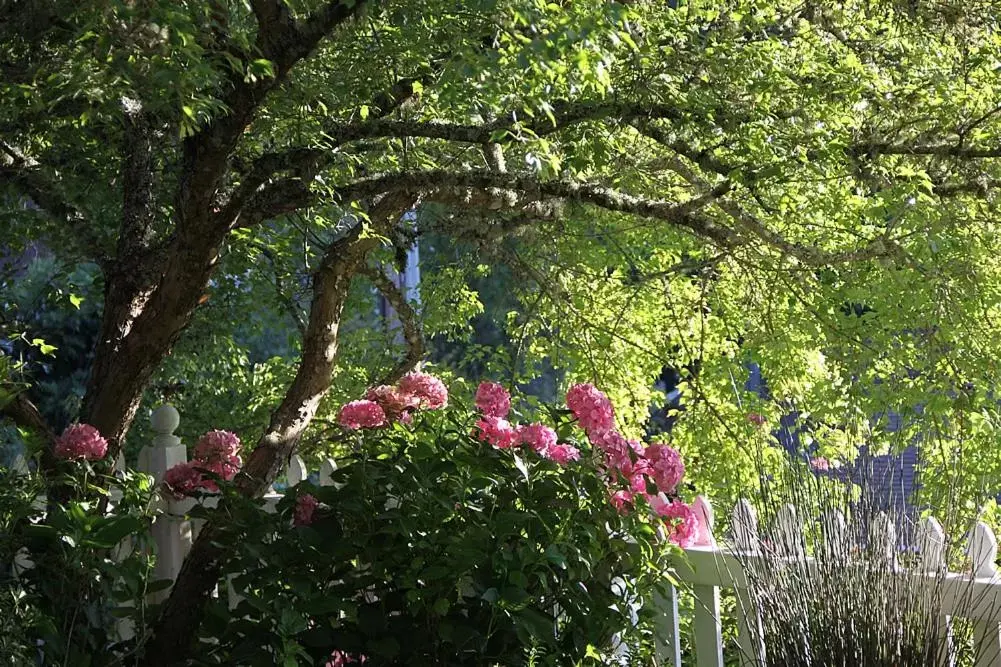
706 569
173 531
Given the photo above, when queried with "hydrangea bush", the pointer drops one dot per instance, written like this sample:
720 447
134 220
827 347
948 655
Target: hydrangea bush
76 563
466 535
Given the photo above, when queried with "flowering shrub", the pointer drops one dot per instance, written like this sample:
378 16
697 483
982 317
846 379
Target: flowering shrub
79 573
463 536
473 536
216 457
81 441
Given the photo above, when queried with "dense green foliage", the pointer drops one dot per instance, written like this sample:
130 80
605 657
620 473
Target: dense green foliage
441 550
74 579
858 144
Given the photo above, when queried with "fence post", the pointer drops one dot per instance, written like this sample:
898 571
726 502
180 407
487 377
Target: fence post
706 620
931 547
327 469
983 551
750 635
171 534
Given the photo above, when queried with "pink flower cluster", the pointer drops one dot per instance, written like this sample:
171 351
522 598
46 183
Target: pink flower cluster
429 391
493 400
220 450
362 414
217 453
340 658
683 526
592 409
305 507
497 431
81 441
387 404
820 463
652 472
494 403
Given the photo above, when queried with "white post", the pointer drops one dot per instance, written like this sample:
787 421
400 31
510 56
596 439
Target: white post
296 472
931 546
667 637
327 470
983 551
750 639
706 624
171 534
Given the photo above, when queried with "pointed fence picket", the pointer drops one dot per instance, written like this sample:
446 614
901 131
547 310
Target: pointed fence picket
706 568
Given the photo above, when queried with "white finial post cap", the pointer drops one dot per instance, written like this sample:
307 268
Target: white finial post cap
165 420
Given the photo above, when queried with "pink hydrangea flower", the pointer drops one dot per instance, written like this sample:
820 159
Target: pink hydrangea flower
81 441
537 436
224 469
394 403
305 507
562 453
666 467
820 463
679 519
496 431
429 390
614 445
756 419
222 446
592 409
340 658
362 414
622 501
184 479
493 400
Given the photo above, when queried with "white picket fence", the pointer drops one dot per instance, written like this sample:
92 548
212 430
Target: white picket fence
974 595
705 570
173 531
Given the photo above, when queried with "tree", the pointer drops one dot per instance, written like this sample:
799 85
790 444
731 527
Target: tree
702 186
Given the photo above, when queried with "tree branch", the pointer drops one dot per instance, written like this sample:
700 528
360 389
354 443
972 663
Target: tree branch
23 413
26 177
409 321
504 128
181 613
939 150
532 189
137 173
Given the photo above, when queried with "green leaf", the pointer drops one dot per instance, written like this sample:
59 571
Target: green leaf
109 532
521 465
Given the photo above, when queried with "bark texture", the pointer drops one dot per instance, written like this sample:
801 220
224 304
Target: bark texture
182 612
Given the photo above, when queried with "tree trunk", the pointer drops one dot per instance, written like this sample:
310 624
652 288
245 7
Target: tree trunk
177 626
140 325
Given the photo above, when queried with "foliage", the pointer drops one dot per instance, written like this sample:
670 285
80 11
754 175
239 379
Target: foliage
74 576
48 321
704 186
431 546
857 133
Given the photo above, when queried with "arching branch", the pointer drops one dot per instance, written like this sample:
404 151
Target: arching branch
409 322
